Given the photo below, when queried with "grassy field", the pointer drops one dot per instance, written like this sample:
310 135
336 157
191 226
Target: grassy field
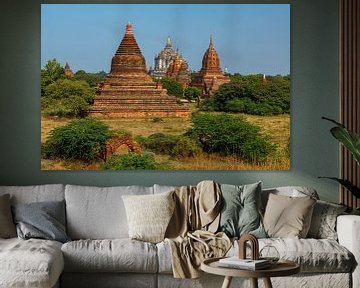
277 128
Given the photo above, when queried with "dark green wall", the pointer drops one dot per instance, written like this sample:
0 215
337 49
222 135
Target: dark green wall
315 88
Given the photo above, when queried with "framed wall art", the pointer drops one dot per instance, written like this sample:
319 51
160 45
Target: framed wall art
165 86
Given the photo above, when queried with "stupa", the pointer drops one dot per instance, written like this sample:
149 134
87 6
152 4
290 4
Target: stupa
67 70
128 91
210 76
179 71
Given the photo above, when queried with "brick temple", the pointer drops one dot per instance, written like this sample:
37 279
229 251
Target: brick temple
179 70
210 76
128 90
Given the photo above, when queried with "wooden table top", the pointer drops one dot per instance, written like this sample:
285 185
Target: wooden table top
281 268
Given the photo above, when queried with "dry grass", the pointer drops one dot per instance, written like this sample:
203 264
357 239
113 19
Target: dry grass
49 123
148 126
277 128
61 164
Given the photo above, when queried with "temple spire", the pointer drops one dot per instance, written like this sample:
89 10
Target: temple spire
168 41
211 45
129 29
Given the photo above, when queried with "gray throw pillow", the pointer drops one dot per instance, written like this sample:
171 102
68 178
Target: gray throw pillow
323 222
7 227
240 213
44 220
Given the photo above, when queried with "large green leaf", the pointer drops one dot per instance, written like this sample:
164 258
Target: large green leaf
348 138
348 185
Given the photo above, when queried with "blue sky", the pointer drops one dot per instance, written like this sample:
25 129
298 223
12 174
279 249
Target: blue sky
249 38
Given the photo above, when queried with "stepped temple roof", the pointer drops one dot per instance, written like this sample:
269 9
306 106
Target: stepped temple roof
179 70
128 57
128 91
210 76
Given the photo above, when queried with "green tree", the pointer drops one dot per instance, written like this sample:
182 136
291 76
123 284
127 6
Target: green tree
173 87
91 78
250 94
66 97
83 139
191 93
51 72
230 135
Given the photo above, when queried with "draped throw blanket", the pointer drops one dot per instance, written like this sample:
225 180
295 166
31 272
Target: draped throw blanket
191 231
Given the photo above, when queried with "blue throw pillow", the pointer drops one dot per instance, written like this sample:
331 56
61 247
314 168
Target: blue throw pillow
43 220
240 213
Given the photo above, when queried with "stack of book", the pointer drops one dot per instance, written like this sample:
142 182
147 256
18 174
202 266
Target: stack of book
248 264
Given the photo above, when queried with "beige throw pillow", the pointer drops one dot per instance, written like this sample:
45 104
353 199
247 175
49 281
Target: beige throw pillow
148 215
288 217
7 226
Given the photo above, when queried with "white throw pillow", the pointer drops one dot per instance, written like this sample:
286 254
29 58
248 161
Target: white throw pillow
149 215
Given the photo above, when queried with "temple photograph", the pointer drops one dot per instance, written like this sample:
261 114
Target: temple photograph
165 87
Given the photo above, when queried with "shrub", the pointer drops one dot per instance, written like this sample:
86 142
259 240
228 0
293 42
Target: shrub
191 93
228 134
67 97
173 87
185 147
80 139
158 143
208 105
177 146
132 161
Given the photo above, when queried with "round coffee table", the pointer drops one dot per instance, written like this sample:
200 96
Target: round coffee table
281 268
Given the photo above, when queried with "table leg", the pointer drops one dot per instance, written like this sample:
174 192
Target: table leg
254 282
267 283
227 282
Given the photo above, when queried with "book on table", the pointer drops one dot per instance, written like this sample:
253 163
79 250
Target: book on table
236 262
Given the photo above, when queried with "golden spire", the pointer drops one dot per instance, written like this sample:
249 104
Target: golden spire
211 45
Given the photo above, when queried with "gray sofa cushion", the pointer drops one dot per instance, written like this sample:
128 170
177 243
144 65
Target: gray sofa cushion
98 213
323 255
313 255
108 280
43 220
36 193
30 263
117 255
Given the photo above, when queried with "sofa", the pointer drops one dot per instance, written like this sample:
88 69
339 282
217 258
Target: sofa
100 253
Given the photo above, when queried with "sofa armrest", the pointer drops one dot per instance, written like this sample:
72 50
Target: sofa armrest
348 230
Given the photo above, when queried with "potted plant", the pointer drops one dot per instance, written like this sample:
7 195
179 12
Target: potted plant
351 141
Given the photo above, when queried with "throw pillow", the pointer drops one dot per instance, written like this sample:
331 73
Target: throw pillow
44 220
323 222
240 213
7 227
149 215
288 217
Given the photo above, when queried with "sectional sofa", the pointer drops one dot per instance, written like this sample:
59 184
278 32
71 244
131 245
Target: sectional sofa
100 253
